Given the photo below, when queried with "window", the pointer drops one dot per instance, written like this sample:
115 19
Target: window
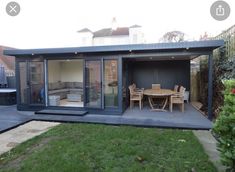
111 83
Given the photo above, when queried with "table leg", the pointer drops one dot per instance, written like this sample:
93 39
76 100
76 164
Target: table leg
165 103
151 103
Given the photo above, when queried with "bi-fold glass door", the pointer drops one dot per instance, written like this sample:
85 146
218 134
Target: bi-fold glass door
110 85
31 78
101 83
93 84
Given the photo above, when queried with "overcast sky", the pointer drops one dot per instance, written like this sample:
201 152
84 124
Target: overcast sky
53 23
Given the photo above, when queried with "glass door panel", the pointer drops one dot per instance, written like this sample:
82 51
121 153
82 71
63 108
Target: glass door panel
23 82
111 83
93 84
36 77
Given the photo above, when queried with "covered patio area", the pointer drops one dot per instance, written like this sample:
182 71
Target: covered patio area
191 118
169 67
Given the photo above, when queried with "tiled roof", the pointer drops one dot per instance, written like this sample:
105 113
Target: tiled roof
85 30
135 26
109 32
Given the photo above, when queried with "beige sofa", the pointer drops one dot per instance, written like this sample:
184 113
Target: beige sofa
62 89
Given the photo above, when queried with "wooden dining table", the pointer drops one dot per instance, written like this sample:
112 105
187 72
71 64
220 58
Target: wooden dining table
160 94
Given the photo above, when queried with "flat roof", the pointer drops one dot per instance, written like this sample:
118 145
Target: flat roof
208 45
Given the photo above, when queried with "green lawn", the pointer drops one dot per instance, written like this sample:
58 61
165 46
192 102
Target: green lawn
90 147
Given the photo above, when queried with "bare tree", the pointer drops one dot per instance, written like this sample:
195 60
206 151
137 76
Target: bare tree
173 36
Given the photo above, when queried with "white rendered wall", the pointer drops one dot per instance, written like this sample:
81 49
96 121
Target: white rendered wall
85 39
72 71
114 40
53 71
136 35
65 71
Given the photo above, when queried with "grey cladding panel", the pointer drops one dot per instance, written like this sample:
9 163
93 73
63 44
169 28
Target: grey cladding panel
166 73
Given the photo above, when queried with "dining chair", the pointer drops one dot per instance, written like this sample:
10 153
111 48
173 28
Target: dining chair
156 86
176 88
135 96
137 89
178 99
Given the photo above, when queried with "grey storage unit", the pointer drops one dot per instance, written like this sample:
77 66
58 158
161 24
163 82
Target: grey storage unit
54 100
74 97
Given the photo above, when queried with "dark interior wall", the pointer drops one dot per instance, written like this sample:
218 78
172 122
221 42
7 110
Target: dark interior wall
166 73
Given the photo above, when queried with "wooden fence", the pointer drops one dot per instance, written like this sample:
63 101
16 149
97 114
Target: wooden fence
229 38
199 78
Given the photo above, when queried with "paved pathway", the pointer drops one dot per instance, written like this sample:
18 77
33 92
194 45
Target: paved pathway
12 138
209 144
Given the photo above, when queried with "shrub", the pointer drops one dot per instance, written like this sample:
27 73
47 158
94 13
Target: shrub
224 127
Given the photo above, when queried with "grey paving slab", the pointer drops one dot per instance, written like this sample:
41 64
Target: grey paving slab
10 118
209 144
190 119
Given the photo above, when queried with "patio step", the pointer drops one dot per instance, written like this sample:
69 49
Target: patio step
62 112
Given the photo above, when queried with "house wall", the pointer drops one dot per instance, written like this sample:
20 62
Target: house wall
111 40
166 73
136 35
85 39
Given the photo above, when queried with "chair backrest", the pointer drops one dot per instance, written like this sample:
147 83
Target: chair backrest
131 88
176 88
156 86
134 86
182 90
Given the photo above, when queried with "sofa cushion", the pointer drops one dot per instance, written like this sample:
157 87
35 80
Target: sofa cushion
69 84
78 85
58 91
76 91
51 86
61 85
